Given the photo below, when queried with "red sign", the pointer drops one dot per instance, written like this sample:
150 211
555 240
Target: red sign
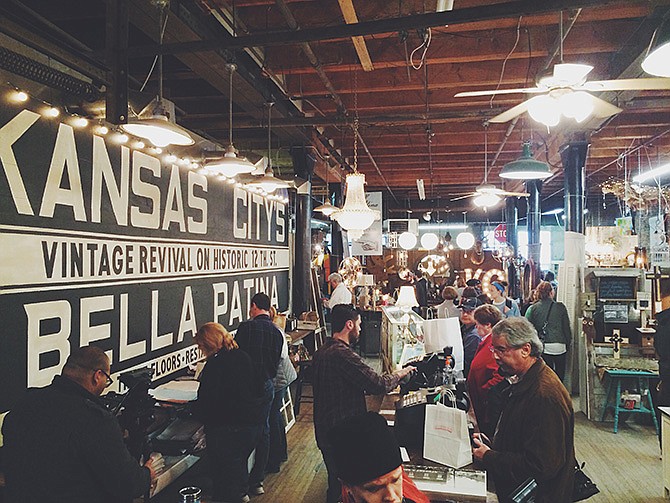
500 233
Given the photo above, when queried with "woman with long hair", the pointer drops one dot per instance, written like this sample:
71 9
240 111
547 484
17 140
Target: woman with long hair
229 404
550 319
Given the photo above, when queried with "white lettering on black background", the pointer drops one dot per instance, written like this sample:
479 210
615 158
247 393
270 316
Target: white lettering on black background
107 245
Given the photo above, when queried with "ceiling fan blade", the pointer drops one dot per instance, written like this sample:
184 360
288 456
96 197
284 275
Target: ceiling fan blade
461 197
515 194
490 92
508 115
602 108
625 85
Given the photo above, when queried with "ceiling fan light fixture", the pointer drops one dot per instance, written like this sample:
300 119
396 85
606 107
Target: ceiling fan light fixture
576 105
525 167
657 61
545 110
486 200
565 75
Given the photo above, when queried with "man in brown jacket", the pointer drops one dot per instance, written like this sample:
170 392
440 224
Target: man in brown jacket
535 434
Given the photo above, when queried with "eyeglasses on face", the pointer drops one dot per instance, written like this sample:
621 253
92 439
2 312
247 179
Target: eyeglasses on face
110 381
501 350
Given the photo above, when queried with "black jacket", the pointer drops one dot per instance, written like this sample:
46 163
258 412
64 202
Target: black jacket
61 445
228 393
662 343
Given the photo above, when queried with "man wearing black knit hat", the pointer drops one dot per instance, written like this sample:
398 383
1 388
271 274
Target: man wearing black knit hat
369 462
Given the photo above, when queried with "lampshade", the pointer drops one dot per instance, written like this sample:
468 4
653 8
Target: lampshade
657 61
429 241
525 167
545 110
268 182
355 217
407 298
486 200
465 240
366 280
230 164
407 240
576 105
326 208
154 125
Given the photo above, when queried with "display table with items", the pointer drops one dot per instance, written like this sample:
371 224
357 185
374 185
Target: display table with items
431 423
401 331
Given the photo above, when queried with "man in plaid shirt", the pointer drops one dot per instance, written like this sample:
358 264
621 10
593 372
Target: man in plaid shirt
341 380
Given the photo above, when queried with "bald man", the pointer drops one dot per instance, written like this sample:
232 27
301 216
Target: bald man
61 444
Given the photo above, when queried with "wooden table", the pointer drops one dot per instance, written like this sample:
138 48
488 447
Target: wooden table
616 377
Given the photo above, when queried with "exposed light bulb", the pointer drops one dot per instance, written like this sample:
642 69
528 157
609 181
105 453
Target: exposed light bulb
139 145
80 122
52 112
170 158
122 138
103 130
20 96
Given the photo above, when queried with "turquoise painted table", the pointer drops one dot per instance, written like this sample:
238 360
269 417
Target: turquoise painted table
616 377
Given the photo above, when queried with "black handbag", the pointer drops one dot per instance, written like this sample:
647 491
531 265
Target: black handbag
583 487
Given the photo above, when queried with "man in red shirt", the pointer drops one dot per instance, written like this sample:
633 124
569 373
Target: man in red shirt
484 373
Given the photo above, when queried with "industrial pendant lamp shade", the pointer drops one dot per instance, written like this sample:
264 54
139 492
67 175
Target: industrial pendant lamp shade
230 164
355 217
154 125
525 167
267 181
657 61
326 208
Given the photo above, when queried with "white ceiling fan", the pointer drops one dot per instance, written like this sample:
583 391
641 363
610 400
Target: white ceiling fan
488 195
565 91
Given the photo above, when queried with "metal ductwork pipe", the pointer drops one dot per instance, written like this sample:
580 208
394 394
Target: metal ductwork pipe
573 157
38 72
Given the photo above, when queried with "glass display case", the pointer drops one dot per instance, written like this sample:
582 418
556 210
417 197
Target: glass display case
400 328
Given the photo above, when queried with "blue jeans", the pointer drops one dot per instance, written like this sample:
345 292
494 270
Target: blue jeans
278 448
263 442
228 450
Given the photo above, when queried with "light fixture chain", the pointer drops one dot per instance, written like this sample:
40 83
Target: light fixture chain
230 105
355 121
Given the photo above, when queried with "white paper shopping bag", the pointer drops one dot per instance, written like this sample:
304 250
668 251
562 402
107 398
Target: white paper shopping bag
444 332
446 439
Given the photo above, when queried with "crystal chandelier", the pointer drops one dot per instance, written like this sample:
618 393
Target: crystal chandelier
355 216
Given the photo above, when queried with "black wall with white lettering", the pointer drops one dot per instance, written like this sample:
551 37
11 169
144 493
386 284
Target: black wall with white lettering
104 244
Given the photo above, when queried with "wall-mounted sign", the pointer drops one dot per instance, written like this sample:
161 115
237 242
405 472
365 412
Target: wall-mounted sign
103 244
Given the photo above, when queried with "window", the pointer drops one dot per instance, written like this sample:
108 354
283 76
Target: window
545 250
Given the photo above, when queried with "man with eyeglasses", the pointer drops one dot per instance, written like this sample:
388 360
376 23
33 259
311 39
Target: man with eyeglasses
534 437
61 444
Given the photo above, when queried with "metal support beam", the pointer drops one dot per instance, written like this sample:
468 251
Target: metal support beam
303 164
413 22
573 156
534 188
511 220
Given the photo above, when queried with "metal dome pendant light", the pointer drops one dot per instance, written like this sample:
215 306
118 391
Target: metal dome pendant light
268 182
355 216
526 167
230 164
155 122
327 209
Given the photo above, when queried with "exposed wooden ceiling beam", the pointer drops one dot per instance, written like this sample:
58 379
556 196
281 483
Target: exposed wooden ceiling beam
412 22
350 17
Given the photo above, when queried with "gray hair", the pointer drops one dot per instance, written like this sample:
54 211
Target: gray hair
336 276
518 331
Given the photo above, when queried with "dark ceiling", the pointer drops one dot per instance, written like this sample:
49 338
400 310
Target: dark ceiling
411 125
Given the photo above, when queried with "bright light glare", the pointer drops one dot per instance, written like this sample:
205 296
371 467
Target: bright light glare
429 241
486 200
654 173
19 96
407 240
545 110
577 105
465 240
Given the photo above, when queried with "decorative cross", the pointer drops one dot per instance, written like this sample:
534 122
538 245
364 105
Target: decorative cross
616 340
656 278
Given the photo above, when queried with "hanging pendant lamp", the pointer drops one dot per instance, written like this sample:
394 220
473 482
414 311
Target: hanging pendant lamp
231 164
268 182
156 122
326 209
526 167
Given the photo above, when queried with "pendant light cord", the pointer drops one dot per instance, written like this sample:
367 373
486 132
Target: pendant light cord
355 121
231 67
269 167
